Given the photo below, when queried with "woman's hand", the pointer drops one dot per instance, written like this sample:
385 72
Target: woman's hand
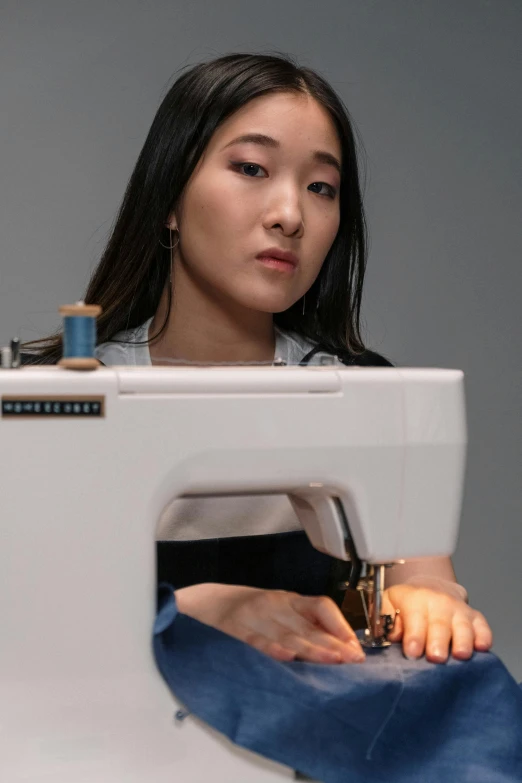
433 616
280 624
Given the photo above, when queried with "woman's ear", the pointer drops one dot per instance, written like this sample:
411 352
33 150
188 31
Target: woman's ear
172 222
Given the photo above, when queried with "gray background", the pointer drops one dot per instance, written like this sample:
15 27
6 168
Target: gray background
434 88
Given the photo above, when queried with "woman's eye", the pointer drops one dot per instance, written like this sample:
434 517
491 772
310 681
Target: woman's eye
330 191
249 169
255 170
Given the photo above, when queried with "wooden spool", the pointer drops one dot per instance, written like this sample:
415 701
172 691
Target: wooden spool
80 362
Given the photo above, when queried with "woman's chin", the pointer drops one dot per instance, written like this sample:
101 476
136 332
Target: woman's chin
272 308
268 303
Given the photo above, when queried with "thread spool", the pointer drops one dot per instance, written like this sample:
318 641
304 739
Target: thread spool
79 336
6 358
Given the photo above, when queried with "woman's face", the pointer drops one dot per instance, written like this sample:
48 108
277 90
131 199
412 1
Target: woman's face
269 179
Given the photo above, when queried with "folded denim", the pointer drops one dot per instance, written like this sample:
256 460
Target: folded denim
386 719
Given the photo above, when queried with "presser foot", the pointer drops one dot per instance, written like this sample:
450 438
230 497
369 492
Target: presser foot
379 642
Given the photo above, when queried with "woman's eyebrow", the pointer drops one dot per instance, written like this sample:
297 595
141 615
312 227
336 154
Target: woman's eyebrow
267 141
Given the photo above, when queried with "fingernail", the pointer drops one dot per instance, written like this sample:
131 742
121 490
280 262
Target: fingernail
436 652
413 650
462 655
356 653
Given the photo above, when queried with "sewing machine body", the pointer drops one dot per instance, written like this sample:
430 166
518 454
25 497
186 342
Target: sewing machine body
81 493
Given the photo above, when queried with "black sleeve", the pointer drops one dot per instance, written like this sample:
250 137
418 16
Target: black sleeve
365 359
370 359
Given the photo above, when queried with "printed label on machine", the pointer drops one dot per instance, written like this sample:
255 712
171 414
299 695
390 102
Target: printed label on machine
44 406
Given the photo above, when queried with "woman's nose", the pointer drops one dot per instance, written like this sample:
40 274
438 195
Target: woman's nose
285 212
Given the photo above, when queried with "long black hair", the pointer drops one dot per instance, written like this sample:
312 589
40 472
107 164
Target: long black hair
134 267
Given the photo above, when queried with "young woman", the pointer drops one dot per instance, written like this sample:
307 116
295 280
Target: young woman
241 238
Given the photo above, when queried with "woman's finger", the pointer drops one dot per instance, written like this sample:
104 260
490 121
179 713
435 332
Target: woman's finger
285 625
322 611
307 617
283 644
306 650
285 615
326 615
298 626
270 648
415 624
483 633
294 635
463 636
349 652
440 628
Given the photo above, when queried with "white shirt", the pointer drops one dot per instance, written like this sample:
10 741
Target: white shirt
290 347
195 518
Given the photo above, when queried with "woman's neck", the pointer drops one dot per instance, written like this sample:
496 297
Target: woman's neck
204 328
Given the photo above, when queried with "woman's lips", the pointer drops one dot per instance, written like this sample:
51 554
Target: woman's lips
279 259
276 263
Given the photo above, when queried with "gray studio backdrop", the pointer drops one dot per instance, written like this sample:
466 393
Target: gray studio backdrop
434 88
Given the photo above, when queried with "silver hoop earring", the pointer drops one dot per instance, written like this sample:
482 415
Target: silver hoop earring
171 246
304 303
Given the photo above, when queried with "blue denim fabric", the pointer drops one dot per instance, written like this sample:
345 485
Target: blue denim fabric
388 719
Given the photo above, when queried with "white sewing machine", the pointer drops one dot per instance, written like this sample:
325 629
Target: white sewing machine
88 461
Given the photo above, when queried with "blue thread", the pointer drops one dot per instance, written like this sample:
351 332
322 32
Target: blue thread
79 336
